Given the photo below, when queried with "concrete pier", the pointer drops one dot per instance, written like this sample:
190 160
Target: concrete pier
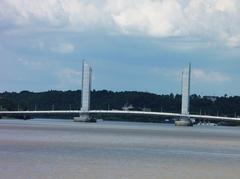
184 122
84 118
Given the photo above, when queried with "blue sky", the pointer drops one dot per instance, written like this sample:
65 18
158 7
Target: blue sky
138 45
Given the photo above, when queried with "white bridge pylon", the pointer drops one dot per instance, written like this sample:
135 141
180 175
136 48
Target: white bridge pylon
86 93
186 80
184 117
186 77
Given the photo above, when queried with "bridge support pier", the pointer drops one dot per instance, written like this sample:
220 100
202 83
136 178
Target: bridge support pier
84 118
184 122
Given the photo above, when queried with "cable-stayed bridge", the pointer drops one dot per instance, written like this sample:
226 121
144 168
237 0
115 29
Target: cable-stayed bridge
85 114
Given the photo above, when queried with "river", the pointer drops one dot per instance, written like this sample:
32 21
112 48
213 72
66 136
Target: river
51 148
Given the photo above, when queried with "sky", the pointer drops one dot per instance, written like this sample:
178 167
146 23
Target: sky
140 45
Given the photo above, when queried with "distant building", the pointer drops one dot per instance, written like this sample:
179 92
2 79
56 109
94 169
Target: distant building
146 109
127 107
211 98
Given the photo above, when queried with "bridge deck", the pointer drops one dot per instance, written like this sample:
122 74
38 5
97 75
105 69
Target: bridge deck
118 112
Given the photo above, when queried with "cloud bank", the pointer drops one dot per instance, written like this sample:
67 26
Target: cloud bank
63 48
210 77
211 20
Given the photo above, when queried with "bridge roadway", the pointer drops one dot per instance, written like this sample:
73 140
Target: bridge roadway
119 112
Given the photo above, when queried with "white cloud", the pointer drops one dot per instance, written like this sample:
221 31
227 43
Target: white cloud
167 73
198 75
204 19
225 5
33 64
68 76
73 14
232 41
63 48
210 76
65 76
154 18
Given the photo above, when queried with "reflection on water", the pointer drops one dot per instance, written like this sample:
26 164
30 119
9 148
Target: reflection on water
49 148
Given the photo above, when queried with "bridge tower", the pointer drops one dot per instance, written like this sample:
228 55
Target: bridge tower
186 78
86 93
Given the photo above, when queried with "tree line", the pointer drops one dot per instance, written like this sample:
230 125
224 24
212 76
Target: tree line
108 100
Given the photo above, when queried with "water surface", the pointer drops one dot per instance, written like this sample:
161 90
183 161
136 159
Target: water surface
50 148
